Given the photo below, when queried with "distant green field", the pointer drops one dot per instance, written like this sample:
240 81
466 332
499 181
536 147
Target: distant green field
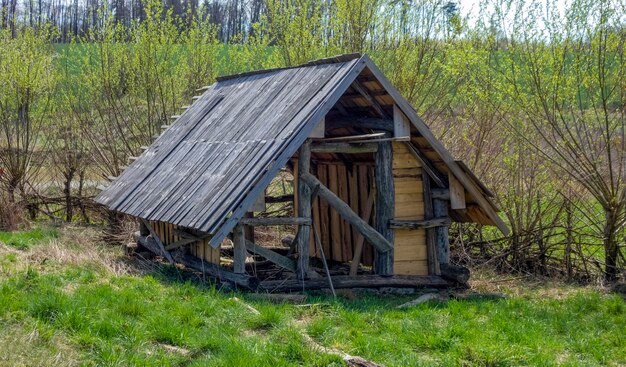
69 301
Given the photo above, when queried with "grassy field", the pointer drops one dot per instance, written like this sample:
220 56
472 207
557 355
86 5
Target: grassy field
67 300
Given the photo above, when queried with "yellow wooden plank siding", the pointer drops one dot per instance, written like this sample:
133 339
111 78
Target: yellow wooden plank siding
168 233
410 253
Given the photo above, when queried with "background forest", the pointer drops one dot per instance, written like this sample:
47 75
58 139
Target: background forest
530 94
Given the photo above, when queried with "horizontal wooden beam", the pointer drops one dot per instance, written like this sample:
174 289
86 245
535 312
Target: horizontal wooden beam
371 235
349 138
275 221
363 123
419 224
442 194
218 272
272 256
345 148
358 281
279 199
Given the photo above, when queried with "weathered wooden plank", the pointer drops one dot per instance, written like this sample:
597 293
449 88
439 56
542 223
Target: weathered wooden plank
457 193
440 209
419 224
346 230
304 209
416 267
320 130
360 240
433 262
360 281
362 122
315 208
385 205
218 272
409 210
409 197
275 221
323 102
239 250
442 194
362 90
179 243
349 138
405 160
415 252
322 171
426 165
353 192
159 243
344 148
401 125
370 234
335 219
272 256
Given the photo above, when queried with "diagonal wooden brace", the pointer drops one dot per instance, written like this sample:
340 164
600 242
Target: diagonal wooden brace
370 234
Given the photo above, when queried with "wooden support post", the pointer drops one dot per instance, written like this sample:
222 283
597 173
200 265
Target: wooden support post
239 249
248 229
304 209
385 205
440 208
433 263
371 235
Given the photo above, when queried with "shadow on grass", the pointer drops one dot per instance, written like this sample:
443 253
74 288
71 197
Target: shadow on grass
353 300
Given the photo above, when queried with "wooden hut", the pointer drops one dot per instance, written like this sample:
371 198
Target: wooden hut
372 186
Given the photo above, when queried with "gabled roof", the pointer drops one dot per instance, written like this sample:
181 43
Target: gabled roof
207 169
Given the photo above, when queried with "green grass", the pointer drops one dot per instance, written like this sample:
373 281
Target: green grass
26 239
78 308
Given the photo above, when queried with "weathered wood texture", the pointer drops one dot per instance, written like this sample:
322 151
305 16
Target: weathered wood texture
275 221
304 209
385 197
410 255
442 240
274 257
333 229
239 249
218 272
171 235
372 236
225 149
359 281
429 213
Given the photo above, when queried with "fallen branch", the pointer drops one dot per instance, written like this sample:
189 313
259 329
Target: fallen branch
423 299
352 361
250 308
